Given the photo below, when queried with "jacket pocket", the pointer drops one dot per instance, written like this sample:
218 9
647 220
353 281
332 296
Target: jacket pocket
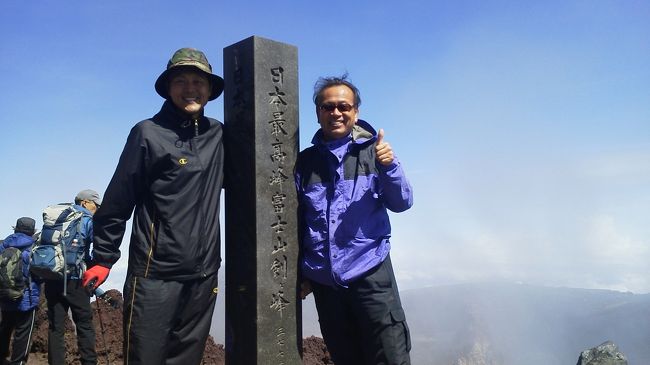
402 331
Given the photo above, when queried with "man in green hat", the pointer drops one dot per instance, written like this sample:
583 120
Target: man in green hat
171 173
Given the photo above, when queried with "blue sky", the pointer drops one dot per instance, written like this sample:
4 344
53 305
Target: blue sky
524 127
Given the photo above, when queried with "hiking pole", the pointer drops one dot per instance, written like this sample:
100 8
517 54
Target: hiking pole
101 326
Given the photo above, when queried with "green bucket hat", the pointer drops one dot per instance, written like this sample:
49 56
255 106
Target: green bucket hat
189 57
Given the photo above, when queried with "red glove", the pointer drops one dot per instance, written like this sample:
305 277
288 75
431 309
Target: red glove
94 277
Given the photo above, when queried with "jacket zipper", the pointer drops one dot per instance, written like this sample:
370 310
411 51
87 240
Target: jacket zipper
196 151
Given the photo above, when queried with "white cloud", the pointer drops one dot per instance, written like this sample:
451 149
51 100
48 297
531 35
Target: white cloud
607 243
632 166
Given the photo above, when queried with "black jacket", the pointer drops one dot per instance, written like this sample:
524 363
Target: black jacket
171 171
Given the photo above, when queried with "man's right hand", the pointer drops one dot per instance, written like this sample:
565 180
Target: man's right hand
94 277
305 289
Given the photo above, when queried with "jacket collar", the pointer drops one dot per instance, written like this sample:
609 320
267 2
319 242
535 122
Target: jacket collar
362 132
18 240
169 116
84 210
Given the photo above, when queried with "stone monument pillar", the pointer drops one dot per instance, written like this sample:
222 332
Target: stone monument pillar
263 309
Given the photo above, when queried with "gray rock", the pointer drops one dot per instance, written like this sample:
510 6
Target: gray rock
606 353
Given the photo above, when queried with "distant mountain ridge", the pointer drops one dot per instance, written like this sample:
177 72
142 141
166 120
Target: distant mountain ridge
496 323
510 324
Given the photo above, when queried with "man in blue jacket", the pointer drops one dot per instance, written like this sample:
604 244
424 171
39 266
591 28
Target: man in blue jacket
346 182
18 315
75 297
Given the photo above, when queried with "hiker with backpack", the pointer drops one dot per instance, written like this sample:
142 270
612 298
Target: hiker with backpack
169 176
71 227
19 292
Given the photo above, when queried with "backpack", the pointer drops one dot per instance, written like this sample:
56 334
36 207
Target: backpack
12 279
58 249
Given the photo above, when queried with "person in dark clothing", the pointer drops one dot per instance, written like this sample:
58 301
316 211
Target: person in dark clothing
74 297
171 173
18 315
346 182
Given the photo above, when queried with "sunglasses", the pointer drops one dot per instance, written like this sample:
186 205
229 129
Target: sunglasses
92 201
330 107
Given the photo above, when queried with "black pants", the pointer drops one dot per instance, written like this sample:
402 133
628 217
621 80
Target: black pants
364 323
22 325
78 302
167 322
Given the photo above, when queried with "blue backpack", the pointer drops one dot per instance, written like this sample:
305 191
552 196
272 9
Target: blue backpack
59 248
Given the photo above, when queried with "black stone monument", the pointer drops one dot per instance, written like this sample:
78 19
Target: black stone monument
263 310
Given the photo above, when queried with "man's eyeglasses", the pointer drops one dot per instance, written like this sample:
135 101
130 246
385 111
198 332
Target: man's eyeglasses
342 107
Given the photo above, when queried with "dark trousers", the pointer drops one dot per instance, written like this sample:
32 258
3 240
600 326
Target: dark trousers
78 302
364 323
167 322
22 326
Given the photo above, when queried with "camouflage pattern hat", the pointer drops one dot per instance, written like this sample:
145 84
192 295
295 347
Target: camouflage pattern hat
189 57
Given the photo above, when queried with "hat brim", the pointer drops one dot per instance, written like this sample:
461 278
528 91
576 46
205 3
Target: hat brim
162 82
29 232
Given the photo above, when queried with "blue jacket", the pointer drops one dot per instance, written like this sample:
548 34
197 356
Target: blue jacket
87 234
343 197
32 292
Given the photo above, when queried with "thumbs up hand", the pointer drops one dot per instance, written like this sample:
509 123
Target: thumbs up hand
383 151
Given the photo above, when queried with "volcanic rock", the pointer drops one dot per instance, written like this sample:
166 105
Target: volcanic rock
606 353
108 333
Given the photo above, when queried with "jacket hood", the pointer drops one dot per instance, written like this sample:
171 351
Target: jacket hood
18 240
362 132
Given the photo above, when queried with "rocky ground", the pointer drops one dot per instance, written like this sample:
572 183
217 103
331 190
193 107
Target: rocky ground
109 339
